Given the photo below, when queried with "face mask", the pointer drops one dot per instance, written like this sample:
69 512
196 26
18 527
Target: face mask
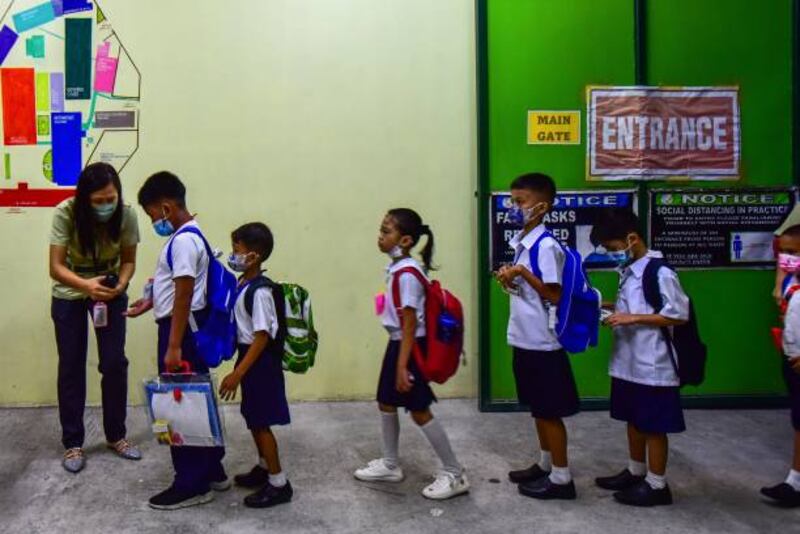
238 262
620 257
789 263
104 212
163 227
396 253
522 216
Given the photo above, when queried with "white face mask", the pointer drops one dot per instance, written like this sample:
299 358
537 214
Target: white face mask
396 253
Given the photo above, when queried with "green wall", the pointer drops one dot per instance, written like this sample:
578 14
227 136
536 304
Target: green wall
540 54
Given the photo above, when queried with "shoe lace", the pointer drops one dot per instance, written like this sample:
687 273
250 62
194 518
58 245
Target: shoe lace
74 453
444 480
376 464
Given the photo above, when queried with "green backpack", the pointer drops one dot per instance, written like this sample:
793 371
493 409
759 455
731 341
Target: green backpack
295 320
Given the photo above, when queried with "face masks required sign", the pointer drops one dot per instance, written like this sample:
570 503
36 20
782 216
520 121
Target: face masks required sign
718 228
570 221
651 133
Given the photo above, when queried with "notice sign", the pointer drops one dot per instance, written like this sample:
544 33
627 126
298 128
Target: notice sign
554 127
712 228
570 221
652 133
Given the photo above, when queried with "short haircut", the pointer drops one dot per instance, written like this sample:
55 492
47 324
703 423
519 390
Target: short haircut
255 236
792 232
538 182
162 186
613 224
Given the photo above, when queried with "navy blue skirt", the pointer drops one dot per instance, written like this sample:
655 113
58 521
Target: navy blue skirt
651 409
264 401
792 380
545 383
421 395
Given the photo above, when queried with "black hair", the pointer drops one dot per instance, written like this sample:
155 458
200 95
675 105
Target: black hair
408 222
614 224
162 185
792 231
255 236
93 178
536 181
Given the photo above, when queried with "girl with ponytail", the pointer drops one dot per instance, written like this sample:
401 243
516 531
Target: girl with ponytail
400 383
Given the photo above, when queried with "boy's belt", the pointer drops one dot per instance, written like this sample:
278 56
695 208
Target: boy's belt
100 268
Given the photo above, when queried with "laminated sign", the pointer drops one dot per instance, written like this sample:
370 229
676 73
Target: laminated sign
651 133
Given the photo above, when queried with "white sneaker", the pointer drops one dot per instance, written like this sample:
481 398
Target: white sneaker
446 485
377 471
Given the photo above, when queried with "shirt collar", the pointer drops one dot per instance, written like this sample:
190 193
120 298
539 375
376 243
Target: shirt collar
529 239
637 268
402 264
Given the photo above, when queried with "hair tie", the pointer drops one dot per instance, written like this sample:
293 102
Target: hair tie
425 229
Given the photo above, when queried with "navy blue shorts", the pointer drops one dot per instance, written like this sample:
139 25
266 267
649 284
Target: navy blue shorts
421 395
264 401
545 383
651 409
792 380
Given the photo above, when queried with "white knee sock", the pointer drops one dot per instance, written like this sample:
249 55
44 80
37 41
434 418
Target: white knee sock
637 469
441 444
390 426
545 460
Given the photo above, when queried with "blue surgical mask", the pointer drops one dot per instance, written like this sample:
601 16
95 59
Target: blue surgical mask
622 258
104 212
519 216
163 227
237 262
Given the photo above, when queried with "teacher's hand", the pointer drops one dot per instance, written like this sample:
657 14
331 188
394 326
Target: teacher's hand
97 291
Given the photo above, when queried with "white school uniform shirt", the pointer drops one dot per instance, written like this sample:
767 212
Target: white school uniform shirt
412 295
641 353
264 318
189 258
791 322
529 321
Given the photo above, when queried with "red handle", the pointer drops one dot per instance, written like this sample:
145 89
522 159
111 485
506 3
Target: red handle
185 368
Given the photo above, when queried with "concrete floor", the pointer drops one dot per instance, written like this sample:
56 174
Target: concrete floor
715 471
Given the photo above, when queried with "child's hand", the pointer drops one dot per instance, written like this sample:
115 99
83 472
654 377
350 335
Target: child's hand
621 319
506 274
403 383
138 308
227 390
172 359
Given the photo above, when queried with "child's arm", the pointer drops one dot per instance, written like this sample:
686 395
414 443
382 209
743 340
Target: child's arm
549 292
181 308
777 291
791 332
229 385
675 310
409 322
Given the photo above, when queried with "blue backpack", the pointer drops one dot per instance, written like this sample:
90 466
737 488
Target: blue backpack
216 337
578 309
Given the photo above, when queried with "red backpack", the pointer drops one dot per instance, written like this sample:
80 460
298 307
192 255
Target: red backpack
444 328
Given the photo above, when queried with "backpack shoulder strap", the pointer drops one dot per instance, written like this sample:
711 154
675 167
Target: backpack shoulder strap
652 295
652 291
534 253
396 287
277 296
188 230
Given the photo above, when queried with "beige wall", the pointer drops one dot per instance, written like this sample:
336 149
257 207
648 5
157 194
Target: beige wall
314 116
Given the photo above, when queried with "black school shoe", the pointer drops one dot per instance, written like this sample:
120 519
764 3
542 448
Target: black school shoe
530 474
619 482
783 494
269 495
257 477
545 489
643 495
173 499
